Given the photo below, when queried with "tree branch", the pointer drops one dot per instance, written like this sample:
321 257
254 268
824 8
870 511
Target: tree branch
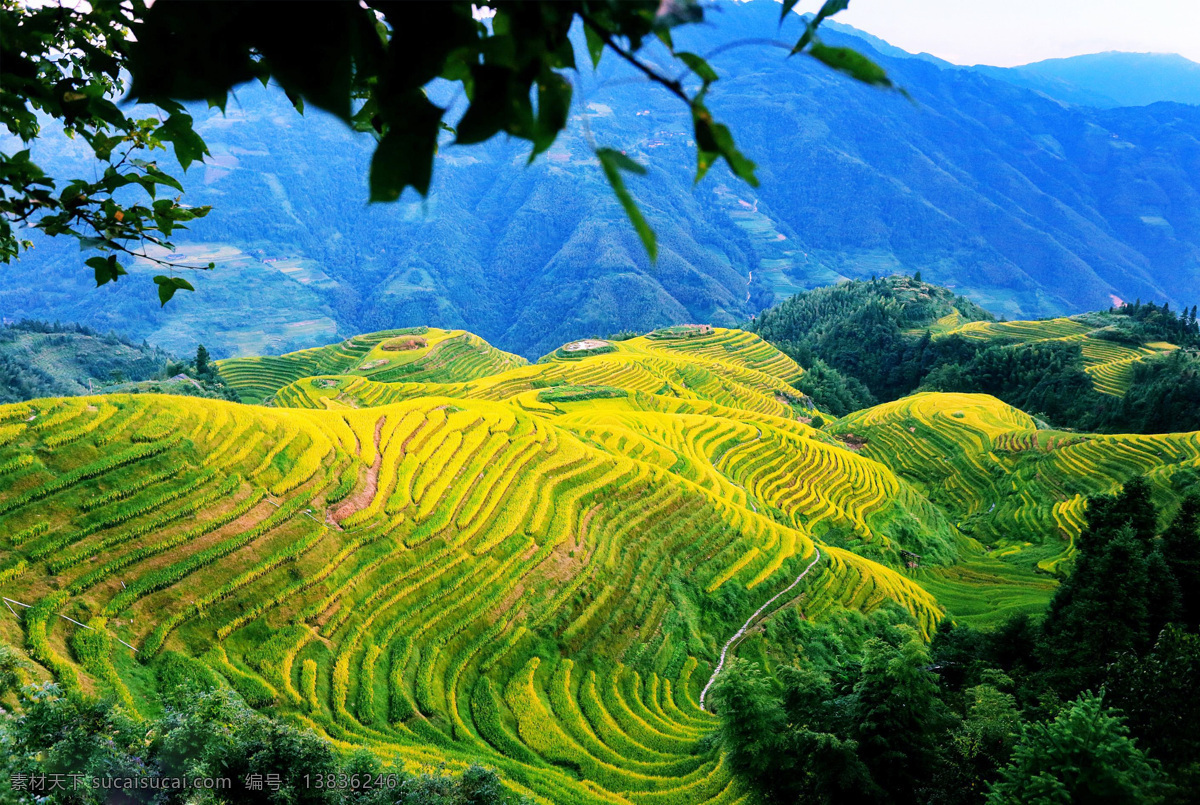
671 85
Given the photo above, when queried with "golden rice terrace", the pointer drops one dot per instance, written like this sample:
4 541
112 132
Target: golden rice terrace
430 548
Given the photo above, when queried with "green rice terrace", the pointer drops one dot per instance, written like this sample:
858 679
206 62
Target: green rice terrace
1109 363
429 548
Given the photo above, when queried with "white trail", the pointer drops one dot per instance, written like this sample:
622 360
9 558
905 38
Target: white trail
741 632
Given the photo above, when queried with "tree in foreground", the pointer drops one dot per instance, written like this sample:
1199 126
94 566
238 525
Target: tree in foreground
205 732
1119 596
787 748
898 714
1084 756
1157 694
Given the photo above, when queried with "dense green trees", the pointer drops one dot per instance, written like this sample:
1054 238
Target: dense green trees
1157 693
1161 398
205 732
837 393
1094 703
1121 592
1151 322
1084 755
857 331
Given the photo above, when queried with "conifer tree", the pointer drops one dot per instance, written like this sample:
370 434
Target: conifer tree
201 360
1181 550
1157 693
1119 595
897 714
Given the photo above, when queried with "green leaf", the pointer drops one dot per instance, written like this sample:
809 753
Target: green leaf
713 141
810 33
554 104
830 8
106 268
296 100
852 63
167 286
595 45
189 146
499 102
158 177
698 66
613 162
404 156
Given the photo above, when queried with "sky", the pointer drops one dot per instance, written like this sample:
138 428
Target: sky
1011 32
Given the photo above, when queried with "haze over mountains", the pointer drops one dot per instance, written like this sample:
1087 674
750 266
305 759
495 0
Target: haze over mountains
1109 79
1019 197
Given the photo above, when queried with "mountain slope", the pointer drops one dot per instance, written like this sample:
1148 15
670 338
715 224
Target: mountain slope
535 569
1029 207
38 359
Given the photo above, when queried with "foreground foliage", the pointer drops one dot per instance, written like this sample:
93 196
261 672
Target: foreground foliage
205 733
366 64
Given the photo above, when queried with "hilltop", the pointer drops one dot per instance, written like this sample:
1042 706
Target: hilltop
1116 370
454 557
415 354
1109 79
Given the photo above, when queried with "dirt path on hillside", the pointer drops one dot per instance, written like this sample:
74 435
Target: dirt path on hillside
740 633
362 497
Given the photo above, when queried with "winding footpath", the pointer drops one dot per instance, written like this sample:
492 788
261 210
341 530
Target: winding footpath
741 632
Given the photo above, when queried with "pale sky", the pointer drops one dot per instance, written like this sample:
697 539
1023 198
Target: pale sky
1012 32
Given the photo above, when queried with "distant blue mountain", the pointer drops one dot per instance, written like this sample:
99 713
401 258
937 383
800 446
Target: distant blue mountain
1108 80
1029 205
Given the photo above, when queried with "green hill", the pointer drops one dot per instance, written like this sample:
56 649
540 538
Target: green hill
452 560
417 354
38 359
1117 370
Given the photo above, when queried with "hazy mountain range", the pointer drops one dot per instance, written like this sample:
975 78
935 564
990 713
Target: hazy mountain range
1032 190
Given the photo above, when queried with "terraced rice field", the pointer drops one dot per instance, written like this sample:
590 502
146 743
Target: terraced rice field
1109 363
454 558
728 367
1004 482
448 355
